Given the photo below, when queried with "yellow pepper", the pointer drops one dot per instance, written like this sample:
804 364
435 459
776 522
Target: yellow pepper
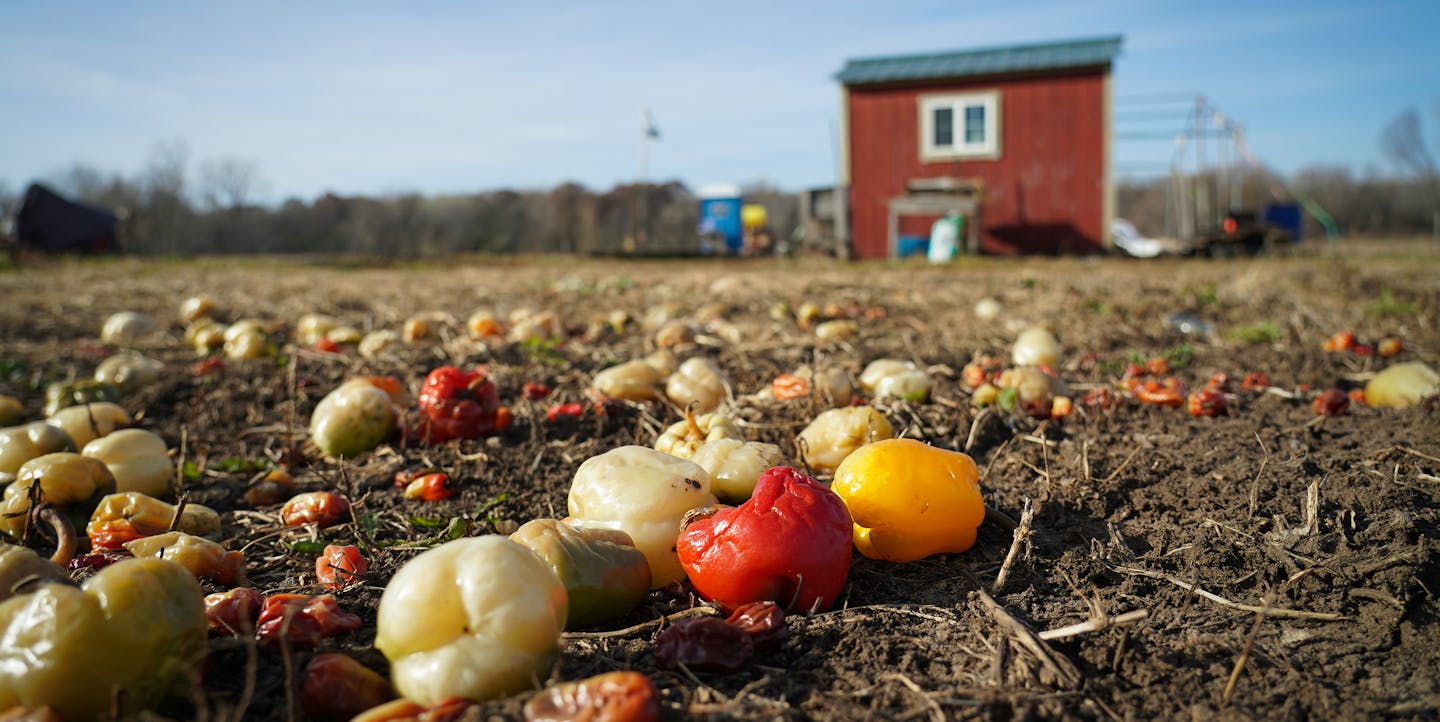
910 500
130 635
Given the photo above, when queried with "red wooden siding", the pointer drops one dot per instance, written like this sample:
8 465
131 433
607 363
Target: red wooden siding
1046 192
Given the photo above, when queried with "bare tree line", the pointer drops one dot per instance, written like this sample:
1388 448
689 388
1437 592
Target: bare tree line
1371 204
164 211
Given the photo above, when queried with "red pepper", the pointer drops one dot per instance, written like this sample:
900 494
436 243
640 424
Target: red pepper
572 410
323 508
1207 403
233 613
310 619
1255 381
1166 392
207 367
339 566
1219 383
1332 402
707 644
430 487
1102 398
790 543
610 697
789 386
534 391
1342 341
763 621
455 404
338 687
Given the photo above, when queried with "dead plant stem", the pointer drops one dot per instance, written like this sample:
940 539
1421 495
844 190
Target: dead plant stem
1244 653
1222 601
1065 673
1021 535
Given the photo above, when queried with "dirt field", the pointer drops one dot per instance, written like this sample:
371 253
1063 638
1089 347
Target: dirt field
1268 564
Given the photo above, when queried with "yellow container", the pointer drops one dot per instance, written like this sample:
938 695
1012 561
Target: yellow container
753 215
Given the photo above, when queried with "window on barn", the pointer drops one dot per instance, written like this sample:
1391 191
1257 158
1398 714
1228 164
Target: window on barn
960 126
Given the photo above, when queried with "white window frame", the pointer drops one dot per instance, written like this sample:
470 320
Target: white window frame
960 149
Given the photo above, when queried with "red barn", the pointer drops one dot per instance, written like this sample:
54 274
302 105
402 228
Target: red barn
1022 133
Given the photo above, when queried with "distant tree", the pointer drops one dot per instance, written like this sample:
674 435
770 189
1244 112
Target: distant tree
1403 142
227 182
80 182
163 223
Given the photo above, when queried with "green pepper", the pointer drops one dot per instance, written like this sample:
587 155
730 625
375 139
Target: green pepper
60 395
137 627
603 572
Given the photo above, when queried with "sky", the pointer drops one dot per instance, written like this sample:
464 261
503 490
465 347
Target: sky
379 98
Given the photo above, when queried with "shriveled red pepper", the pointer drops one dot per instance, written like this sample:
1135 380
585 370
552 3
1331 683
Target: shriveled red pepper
534 391
310 619
404 710
789 386
337 687
339 566
208 367
1255 381
1331 402
1341 341
1207 403
456 404
763 621
323 508
99 559
1166 392
1101 398
706 644
572 410
233 613
609 697
1219 383
789 543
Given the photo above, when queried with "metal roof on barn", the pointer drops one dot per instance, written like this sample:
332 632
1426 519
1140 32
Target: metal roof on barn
984 61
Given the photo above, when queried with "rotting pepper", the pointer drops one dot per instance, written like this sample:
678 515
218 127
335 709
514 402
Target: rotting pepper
613 697
910 500
337 687
71 483
478 618
302 620
434 486
457 404
129 515
605 576
137 625
339 566
789 543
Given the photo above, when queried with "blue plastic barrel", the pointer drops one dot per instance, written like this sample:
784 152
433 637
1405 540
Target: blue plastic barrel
720 216
1285 216
912 246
